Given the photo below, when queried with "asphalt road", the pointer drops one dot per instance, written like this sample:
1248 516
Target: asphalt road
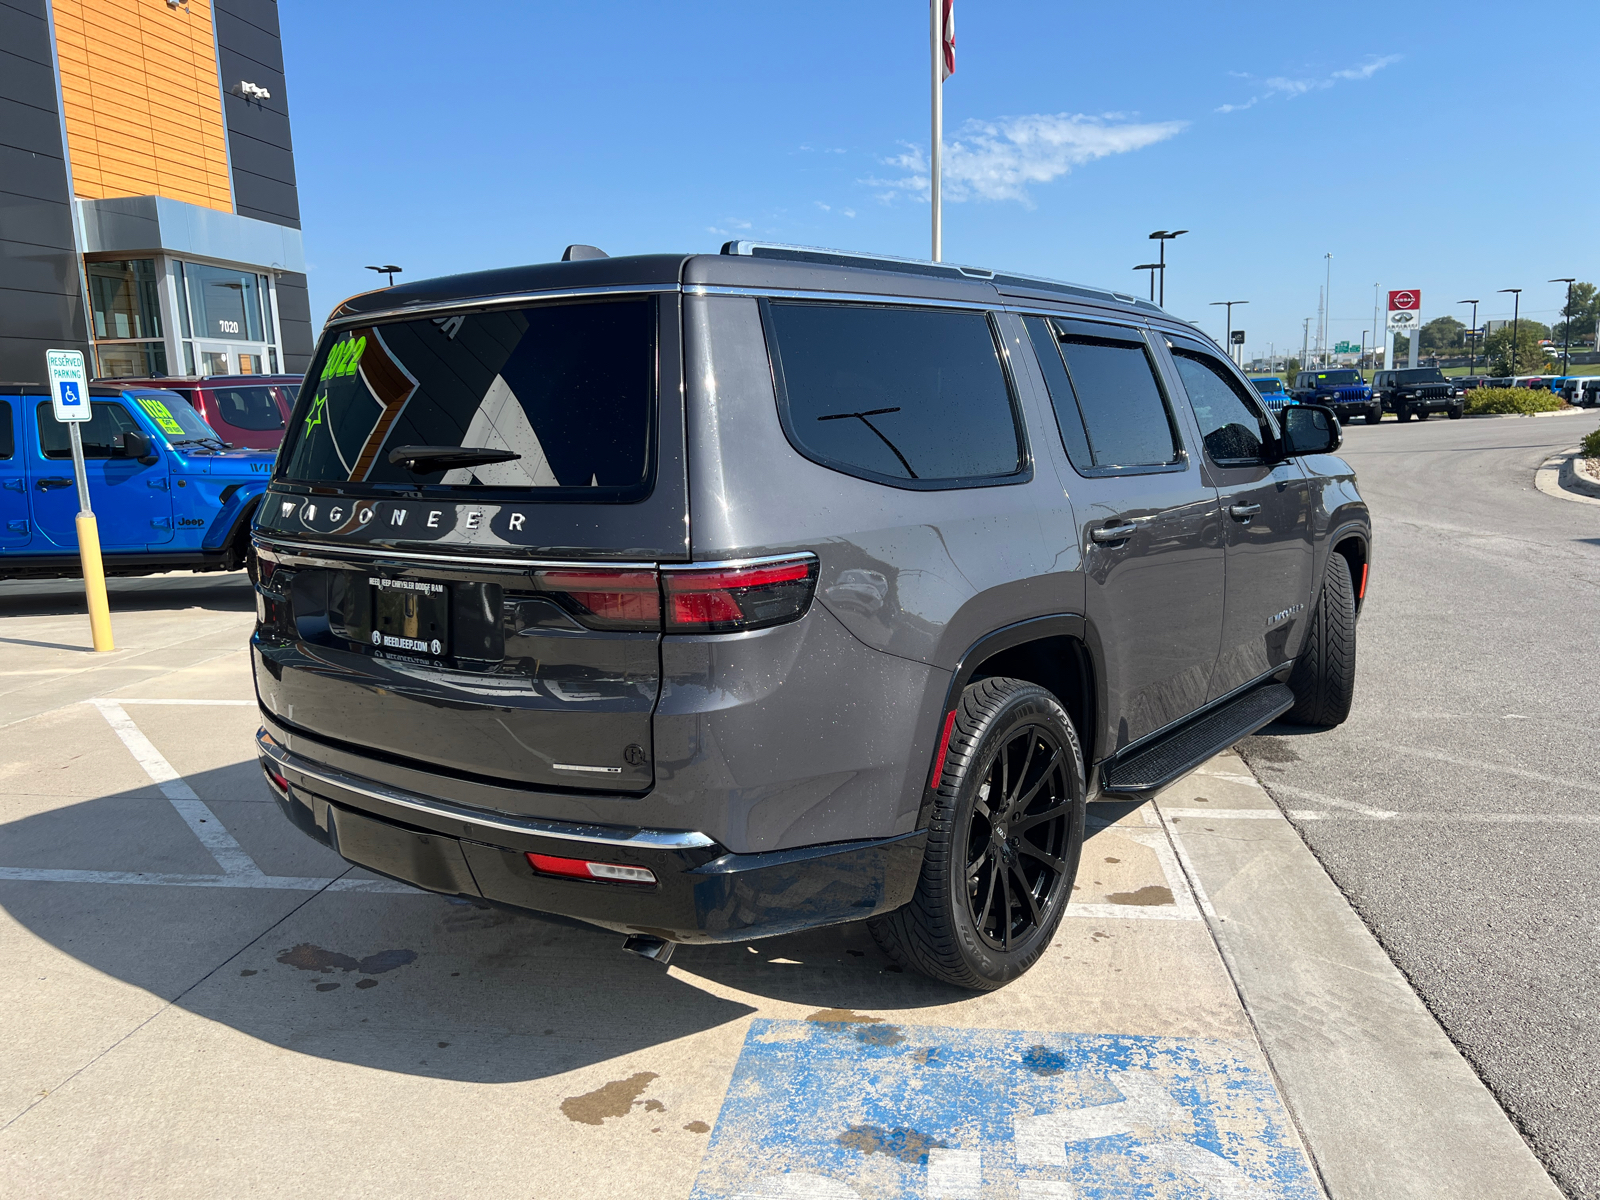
1476 729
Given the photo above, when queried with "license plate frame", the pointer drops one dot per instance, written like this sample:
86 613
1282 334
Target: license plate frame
410 616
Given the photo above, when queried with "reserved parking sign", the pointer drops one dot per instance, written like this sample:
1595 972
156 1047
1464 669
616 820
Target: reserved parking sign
69 385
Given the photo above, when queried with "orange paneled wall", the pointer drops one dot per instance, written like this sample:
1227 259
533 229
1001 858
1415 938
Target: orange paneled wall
143 107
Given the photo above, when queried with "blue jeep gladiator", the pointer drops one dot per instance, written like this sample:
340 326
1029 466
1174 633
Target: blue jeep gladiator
167 493
1341 389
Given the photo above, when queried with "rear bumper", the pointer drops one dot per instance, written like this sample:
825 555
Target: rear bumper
702 893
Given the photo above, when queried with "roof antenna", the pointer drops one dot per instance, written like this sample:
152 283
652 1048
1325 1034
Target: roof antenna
576 252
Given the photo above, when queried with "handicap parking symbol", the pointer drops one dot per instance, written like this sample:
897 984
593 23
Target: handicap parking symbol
835 1110
69 393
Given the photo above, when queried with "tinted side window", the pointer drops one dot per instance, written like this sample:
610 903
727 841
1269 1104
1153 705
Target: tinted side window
1047 348
249 407
8 438
909 396
1108 386
107 420
1230 426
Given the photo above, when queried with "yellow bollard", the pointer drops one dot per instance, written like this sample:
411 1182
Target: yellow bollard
94 581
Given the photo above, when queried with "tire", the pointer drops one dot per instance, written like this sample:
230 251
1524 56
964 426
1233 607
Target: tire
1402 413
1423 414
1373 417
953 929
1324 677
1456 412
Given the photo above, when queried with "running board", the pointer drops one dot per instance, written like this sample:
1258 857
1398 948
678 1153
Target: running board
1150 768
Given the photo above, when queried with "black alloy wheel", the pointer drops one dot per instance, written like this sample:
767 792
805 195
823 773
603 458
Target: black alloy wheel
1017 835
1005 832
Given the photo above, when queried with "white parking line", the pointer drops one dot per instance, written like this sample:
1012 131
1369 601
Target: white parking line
230 856
235 703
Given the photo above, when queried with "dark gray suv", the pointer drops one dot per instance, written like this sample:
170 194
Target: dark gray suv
713 597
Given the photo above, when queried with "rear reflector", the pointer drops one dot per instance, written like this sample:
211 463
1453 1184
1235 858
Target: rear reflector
578 868
276 778
1361 592
605 599
944 747
729 599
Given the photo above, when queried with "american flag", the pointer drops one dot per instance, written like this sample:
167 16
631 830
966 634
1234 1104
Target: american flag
949 37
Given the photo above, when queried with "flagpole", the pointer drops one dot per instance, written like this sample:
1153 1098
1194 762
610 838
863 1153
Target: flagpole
936 27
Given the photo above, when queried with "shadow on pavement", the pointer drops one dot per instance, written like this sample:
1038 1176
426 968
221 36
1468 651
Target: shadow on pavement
214 592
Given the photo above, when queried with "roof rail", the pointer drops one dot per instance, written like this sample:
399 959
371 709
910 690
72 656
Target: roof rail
919 266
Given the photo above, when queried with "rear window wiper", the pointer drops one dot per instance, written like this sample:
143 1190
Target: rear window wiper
430 460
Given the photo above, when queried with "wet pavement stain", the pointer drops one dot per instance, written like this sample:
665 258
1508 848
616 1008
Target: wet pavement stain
366 983
614 1099
654 1106
246 974
327 987
842 1016
907 1145
881 1035
1113 860
698 1127
1145 897
306 957
1042 1060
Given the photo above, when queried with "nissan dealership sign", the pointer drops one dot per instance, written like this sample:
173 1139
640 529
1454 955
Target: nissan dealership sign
1405 309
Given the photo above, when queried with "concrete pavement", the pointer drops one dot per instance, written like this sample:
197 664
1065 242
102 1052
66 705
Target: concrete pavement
203 1001
1459 807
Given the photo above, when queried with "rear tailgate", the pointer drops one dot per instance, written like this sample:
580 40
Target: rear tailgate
498 619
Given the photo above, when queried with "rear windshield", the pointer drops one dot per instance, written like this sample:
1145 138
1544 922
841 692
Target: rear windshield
562 394
1336 378
249 407
1421 375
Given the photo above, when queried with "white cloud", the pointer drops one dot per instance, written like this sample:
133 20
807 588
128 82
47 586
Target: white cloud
822 206
998 160
732 228
1283 85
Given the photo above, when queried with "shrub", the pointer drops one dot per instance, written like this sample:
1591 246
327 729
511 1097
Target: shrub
1591 445
1512 400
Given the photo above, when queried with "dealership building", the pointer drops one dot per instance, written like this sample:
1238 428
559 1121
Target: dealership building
148 209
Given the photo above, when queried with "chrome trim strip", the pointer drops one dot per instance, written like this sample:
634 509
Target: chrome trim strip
645 839
730 563
581 767
422 310
310 549
897 299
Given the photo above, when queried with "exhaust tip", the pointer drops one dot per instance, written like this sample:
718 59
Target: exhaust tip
657 950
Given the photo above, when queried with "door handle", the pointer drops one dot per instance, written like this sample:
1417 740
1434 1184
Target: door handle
1243 512
54 482
1113 533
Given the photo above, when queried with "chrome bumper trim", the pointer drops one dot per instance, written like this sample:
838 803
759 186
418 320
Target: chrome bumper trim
606 835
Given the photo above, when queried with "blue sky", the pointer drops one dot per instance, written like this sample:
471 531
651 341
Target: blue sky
1443 147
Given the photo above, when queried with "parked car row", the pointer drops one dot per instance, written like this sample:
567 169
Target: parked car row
1412 392
250 412
168 492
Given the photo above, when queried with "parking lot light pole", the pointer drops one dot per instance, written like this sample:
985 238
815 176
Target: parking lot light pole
1230 304
1472 353
1162 237
1566 337
1516 311
1152 268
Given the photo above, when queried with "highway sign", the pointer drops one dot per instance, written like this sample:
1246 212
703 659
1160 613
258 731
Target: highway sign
69 384
1405 300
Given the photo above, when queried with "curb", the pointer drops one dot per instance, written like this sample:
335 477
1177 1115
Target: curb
1558 476
1560 412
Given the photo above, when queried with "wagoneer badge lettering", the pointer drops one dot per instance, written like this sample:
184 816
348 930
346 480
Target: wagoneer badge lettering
1285 614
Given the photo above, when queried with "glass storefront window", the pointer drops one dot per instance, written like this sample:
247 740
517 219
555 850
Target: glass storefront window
214 362
124 299
131 360
226 303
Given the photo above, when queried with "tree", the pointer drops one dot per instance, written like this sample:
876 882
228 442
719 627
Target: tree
1402 351
1530 357
1581 314
1292 370
1443 335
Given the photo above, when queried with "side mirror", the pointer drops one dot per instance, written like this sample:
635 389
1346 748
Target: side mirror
1310 429
133 444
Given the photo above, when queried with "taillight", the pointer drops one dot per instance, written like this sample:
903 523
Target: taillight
728 599
605 599
580 868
